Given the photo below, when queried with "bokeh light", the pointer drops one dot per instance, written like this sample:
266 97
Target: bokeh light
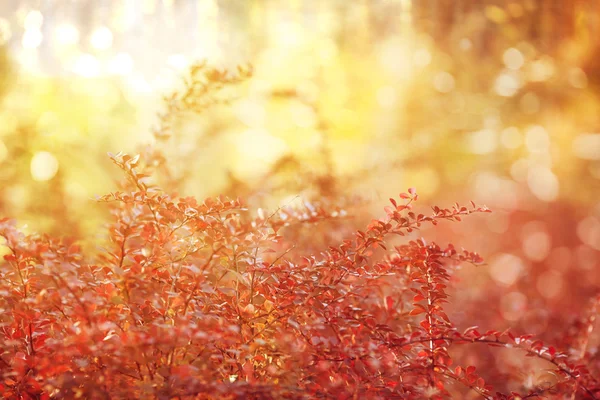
44 166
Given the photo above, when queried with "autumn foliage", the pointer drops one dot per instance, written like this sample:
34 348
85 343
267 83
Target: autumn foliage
188 299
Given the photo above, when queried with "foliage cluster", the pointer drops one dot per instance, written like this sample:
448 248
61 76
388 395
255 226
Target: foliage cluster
208 299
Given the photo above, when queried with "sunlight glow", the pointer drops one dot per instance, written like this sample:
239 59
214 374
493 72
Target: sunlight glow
102 38
44 166
32 38
66 35
86 65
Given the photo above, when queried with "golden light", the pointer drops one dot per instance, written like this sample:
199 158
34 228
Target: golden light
102 38
33 20
484 141
139 84
577 78
537 139
178 61
44 166
302 115
541 70
251 113
465 44
543 183
443 82
587 146
513 59
258 148
121 64
387 97
3 151
66 35
288 35
507 84
530 103
327 51
5 32
32 38
86 65
511 137
422 58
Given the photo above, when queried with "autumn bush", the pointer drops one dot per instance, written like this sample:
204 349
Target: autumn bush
188 299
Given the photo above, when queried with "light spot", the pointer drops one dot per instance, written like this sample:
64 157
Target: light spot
258 146
327 51
66 35
587 146
33 20
251 113
537 139
121 64
5 32
506 268
395 55
47 122
530 103
3 151
422 58
484 141
495 14
303 115
543 183
513 59
541 70
178 61
577 78
308 91
511 137
86 65
519 169
513 306
536 242
588 231
465 44
44 166
386 97
507 84
102 38
139 84
495 190
32 38
443 82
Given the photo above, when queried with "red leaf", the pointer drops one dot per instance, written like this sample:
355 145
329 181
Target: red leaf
389 302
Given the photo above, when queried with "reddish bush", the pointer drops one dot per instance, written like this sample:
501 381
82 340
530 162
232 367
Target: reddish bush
189 300
208 300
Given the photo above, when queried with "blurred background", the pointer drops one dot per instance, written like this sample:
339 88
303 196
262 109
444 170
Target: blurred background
491 101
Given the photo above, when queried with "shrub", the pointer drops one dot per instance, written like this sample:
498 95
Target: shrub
199 300
206 300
